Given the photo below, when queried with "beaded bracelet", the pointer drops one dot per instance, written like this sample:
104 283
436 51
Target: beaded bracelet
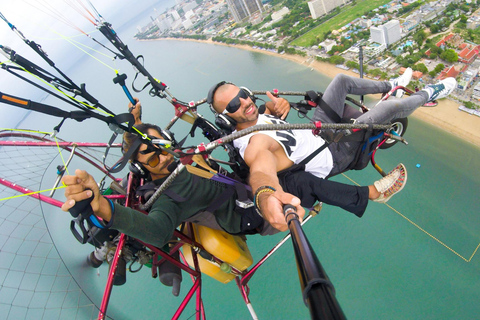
259 191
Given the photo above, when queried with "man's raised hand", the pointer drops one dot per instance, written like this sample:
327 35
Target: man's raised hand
281 106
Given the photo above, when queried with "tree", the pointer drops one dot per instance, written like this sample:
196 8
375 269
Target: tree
465 8
419 37
449 55
469 105
352 65
375 72
420 67
337 59
439 67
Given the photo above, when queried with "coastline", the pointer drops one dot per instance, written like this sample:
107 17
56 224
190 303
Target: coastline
445 116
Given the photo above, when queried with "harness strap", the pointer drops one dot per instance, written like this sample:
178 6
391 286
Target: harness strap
218 201
315 97
176 197
314 153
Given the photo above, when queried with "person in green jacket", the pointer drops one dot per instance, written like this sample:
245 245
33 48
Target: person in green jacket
188 198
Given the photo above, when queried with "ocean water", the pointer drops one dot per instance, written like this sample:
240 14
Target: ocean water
410 259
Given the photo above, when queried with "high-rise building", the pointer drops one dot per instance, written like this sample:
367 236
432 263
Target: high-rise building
377 35
319 8
174 14
189 6
386 34
392 31
316 8
242 9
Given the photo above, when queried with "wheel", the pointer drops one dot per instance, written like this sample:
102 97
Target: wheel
399 126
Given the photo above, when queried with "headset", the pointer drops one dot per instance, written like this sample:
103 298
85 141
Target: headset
224 121
138 168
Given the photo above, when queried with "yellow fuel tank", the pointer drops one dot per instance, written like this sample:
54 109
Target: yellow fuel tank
228 248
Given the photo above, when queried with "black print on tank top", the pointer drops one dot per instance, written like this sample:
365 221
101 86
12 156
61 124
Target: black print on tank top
285 137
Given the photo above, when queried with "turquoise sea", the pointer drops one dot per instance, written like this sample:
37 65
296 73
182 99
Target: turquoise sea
411 259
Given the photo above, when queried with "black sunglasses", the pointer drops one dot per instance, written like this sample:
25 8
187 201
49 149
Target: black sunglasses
235 103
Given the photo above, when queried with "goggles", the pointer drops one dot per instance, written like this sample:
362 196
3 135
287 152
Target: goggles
235 103
154 159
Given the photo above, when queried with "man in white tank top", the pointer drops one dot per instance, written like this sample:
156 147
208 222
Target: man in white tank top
267 152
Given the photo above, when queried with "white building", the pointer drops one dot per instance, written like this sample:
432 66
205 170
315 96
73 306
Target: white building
385 62
366 23
377 35
242 9
187 24
476 92
392 31
278 15
328 44
374 49
174 14
163 24
386 34
189 6
189 14
473 22
319 8
177 24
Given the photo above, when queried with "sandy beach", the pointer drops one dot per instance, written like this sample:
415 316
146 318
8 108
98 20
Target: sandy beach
445 116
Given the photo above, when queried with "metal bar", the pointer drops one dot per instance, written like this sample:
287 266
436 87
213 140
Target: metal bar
30 193
289 126
317 290
66 147
360 57
113 267
189 296
111 275
62 172
244 293
55 144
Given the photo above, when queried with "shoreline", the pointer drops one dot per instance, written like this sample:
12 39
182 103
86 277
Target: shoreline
445 116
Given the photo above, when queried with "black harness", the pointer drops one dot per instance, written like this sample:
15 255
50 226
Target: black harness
251 222
370 136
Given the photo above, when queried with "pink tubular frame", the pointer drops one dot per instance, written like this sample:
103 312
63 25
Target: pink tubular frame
241 279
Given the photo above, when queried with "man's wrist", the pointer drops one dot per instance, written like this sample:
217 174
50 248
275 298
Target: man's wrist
260 194
106 209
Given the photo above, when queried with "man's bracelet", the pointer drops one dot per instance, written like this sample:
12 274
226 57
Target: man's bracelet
259 191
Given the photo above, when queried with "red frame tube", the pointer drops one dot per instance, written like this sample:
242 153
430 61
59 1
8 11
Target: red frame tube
65 145
113 267
38 196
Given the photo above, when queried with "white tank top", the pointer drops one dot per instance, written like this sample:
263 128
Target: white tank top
297 144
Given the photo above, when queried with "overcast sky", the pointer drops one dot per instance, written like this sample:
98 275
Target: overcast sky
42 21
